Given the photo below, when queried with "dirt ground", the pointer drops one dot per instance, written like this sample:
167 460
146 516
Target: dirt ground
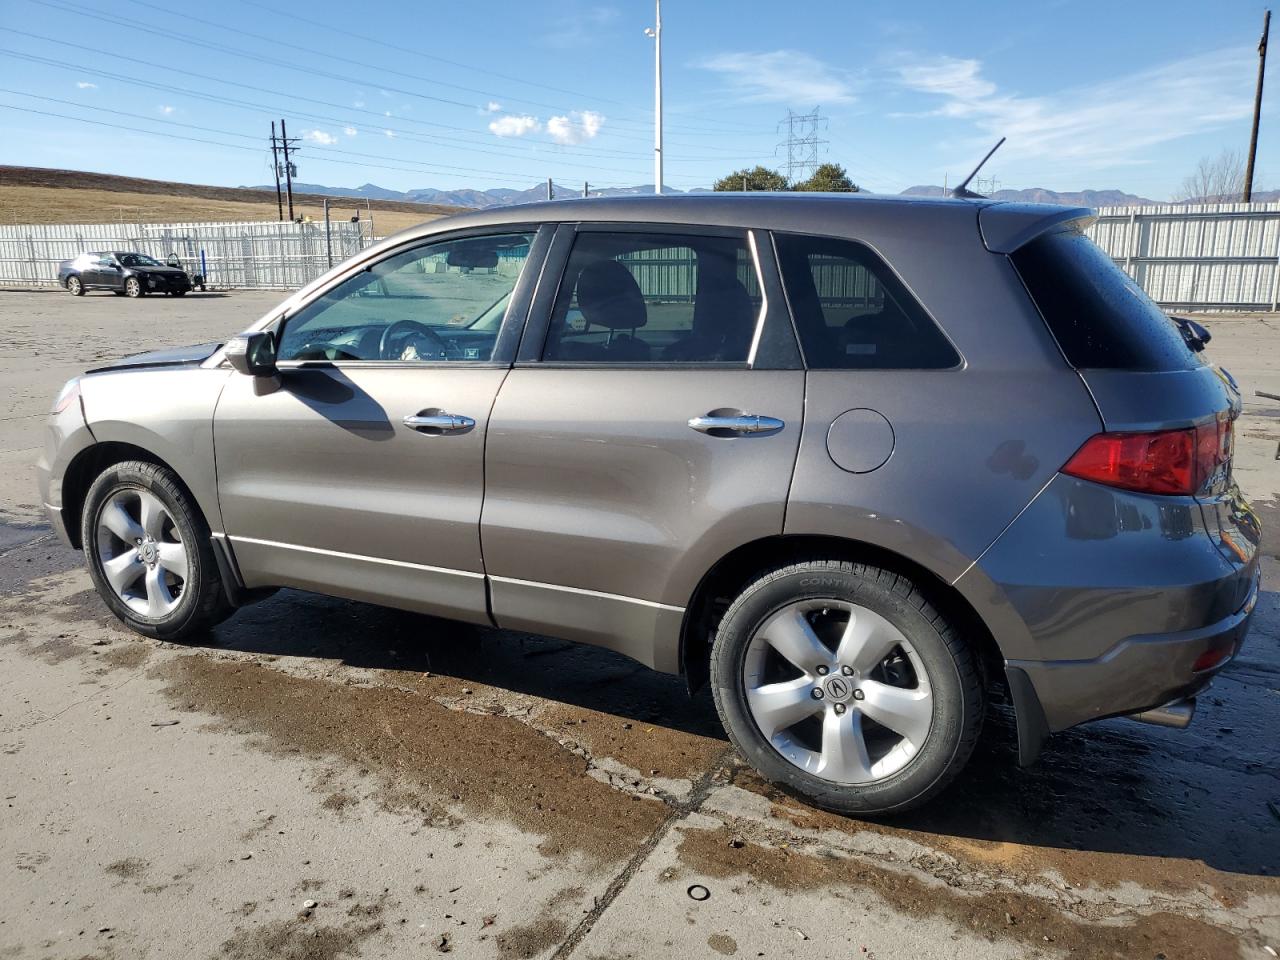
38 195
321 779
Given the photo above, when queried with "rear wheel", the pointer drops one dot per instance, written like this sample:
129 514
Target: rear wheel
840 682
149 553
133 287
75 287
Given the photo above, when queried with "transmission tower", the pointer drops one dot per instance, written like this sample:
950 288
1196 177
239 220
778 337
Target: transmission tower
803 143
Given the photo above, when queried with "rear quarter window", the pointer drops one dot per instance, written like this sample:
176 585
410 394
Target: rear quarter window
853 313
1100 317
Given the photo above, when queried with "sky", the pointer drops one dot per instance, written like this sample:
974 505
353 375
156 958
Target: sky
1090 94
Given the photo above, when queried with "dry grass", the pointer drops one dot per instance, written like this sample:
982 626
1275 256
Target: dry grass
34 195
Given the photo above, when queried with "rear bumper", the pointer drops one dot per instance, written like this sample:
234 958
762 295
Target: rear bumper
1102 601
1138 673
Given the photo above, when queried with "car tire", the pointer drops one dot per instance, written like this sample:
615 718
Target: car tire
179 293
149 552
75 286
133 288
929 685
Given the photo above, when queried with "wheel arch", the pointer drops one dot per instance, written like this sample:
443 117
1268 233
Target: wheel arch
729 575
88 465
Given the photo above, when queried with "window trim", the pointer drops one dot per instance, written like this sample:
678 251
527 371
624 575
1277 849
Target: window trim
538 327
508 330
961 363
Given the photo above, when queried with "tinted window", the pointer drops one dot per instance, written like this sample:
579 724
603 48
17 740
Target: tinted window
651 298
1100 317
444 301
852 313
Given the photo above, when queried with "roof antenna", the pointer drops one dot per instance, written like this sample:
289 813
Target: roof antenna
960 191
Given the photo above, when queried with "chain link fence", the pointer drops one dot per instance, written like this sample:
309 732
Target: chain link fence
265 256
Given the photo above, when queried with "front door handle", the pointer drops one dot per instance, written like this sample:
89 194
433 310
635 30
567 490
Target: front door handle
437 423
740 424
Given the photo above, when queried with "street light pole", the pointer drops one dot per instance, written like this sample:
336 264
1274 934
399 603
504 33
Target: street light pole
656 33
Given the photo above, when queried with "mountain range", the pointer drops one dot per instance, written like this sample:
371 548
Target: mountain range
503 196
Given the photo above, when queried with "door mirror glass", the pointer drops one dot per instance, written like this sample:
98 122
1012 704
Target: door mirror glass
253 354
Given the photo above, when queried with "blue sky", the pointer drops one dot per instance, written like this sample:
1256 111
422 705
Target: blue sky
413 94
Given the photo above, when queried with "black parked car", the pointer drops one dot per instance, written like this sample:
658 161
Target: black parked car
124 274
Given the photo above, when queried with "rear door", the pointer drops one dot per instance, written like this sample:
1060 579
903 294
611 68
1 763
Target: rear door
360 472
650 426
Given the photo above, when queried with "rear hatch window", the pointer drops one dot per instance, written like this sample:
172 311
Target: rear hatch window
1099 316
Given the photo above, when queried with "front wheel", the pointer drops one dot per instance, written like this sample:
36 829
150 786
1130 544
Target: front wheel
149 552
133 287
75 287
839 682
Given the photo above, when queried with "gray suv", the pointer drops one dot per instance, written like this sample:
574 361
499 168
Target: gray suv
862 463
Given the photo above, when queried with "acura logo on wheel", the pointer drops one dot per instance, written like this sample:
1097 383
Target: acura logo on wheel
837 688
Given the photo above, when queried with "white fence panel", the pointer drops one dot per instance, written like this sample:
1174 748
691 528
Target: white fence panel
261 255
1215 256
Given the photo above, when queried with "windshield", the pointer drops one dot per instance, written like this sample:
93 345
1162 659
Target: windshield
138 260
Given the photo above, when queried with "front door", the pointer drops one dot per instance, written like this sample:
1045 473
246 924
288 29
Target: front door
649 428
360 472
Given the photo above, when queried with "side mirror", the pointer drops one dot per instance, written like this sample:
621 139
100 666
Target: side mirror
253 354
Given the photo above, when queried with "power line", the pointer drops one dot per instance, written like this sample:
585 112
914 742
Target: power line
150 64
68 6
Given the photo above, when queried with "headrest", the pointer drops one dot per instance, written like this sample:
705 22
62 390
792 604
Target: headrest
609 296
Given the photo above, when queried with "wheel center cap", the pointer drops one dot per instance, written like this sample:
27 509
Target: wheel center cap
838 688
149 552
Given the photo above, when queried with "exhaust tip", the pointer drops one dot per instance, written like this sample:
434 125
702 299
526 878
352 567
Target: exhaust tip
1177 714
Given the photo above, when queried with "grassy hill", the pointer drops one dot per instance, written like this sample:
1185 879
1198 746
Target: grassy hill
39 195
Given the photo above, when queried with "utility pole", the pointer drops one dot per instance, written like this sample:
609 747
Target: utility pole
1257 108
586 189
286 143
551 191
328 236
656 33
275 168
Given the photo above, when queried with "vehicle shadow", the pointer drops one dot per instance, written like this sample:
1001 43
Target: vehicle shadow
1111 788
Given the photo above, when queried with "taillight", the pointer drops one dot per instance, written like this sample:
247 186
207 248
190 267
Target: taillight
1172 462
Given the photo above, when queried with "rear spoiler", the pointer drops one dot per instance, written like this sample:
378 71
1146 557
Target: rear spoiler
1005 227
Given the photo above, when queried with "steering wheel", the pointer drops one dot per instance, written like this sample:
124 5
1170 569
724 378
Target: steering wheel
433 346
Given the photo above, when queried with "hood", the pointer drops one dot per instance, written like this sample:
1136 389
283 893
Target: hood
173 357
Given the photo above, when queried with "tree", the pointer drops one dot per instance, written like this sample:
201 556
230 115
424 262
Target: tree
1217 179
757 178
828 178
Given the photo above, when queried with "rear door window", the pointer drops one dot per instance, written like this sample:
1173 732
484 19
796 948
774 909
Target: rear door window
655 298
852 312
1100 317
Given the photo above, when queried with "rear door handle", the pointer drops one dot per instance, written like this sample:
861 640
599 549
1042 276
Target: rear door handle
743 423
433 423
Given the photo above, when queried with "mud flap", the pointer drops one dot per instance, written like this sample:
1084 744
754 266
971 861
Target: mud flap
1033 729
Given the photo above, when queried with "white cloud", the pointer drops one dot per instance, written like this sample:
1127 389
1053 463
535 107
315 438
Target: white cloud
493 106
349 131
166 109
390 134
782 76
359 104
514 126
1110 122
320 136
86 85
578 127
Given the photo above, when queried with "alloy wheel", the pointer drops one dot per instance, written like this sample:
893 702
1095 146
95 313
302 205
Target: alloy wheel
838 690
141 551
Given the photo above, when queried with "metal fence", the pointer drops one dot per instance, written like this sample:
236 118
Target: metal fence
262 255
1216 256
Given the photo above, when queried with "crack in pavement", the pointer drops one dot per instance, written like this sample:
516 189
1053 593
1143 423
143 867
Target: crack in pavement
702 788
